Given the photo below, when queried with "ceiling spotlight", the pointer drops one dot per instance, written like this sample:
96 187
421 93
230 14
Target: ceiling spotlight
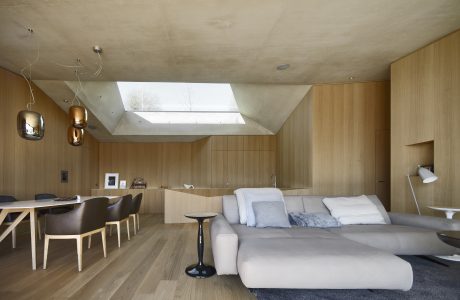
65 100
283 67
351 78
97 49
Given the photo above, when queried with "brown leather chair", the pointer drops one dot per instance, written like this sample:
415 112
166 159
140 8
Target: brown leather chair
118 213
87 219
11 217
134 212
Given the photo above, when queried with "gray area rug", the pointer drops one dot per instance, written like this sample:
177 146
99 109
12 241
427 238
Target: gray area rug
431 281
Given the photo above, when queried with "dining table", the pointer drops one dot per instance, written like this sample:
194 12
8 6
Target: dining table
31 207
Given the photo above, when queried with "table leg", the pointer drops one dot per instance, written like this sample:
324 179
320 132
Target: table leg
33 235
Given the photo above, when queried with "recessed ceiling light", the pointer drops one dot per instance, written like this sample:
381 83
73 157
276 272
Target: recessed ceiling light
283 67
351 78
65 100
97 49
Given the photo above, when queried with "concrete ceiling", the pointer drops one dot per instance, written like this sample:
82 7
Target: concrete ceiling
264 107
239 41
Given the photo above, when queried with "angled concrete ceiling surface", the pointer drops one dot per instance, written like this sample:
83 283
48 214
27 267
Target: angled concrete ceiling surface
239 41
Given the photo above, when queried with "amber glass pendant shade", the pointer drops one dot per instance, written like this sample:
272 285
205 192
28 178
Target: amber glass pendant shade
75 136
78 116
30 125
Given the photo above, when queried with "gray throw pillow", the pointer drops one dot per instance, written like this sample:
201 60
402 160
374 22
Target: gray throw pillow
270 214
318 220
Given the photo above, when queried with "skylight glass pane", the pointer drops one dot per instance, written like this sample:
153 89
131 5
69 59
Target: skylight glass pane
192 117
177 96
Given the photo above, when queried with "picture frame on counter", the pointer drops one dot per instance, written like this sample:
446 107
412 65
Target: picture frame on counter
111 180
122 184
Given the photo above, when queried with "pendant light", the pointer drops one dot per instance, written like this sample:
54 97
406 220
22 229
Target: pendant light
78 116
75 136
30 124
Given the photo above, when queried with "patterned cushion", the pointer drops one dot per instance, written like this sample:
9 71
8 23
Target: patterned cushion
319 220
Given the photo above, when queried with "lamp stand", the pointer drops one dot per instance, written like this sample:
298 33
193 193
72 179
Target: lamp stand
413 194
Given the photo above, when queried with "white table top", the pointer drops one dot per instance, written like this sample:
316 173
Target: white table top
456 209
47 203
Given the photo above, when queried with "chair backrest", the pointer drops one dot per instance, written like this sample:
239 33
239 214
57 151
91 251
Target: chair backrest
120 210
44 196
136 204
6 198
93 214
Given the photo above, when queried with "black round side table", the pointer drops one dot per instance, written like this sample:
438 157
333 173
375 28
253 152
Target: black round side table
200 270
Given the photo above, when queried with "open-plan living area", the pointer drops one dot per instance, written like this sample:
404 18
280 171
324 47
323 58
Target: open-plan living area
212 149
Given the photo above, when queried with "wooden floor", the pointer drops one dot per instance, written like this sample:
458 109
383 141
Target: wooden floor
150 266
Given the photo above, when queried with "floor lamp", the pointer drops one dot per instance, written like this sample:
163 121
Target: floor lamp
426 176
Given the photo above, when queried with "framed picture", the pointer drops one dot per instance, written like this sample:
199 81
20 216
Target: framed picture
111 181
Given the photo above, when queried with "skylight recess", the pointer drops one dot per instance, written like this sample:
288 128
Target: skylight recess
181 103
177 96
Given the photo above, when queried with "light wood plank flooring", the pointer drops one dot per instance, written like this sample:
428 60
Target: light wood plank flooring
150 266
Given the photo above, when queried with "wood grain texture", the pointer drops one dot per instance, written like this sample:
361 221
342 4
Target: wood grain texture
425 110
336 141
149 266
30 167
178 203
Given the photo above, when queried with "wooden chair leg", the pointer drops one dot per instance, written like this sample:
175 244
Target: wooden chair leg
45 254
79 252
127 228
39 230
13 238
134 223
137 222
89 242
104 247
110 230
118 232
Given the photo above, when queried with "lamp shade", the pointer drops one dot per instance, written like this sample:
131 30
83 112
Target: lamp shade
78 116
426 175
30 125
75 136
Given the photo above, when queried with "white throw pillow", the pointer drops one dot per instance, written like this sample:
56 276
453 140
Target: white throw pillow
254 194
354 210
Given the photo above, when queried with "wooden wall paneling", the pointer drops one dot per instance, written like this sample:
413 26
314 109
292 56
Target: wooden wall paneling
30 167
235 168
235 142
219 142
251 170
425 110
178 203
201 163
219 168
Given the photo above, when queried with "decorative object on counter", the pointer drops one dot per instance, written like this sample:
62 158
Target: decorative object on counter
189 186
75 136
139 183
78 116
427 176
122 184
30 124
111 181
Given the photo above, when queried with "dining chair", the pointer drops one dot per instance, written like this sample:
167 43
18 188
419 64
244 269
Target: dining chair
87 219
134 212
12 216
118 213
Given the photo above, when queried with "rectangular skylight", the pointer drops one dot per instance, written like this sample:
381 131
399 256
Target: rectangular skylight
177 96
192 117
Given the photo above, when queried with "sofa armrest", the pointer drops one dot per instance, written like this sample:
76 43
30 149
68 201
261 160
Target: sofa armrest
429 222
224 241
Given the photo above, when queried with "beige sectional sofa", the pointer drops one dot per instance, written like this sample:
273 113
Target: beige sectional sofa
349 257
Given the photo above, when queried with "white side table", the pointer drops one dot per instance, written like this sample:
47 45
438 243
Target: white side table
449 211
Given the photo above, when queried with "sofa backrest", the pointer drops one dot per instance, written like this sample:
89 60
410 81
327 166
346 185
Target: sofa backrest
310 204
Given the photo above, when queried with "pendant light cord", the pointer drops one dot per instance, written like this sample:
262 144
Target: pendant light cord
28 78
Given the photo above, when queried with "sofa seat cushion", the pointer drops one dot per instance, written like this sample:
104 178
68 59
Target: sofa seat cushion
319 263
245 232
397 239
